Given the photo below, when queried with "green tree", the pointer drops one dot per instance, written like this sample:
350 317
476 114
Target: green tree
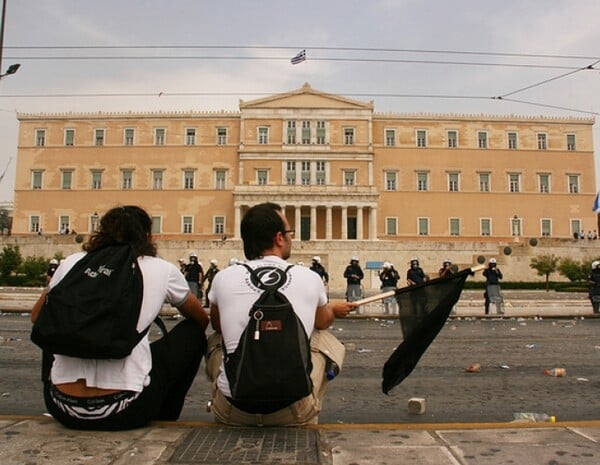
33 270
545 265
573 270
10 260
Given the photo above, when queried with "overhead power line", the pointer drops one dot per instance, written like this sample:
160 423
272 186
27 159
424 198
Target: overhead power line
258 94
546 81
298 47
283 58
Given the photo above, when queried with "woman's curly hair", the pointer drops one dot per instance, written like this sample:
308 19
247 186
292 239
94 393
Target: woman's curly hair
124 225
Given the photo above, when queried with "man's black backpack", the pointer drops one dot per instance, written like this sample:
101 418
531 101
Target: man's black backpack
271 367
93 311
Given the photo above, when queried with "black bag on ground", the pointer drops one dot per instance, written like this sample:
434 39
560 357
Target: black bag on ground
270 369
93 311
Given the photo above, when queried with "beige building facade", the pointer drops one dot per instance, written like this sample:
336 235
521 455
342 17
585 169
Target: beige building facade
342 171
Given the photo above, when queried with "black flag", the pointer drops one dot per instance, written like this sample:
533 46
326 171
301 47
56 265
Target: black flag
424 309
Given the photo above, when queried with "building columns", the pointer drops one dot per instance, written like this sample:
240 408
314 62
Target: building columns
359 223
313 223
373 224
237 215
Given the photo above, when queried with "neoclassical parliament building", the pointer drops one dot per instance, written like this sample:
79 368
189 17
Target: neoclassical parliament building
342 171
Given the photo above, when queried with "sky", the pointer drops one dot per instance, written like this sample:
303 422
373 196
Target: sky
408 56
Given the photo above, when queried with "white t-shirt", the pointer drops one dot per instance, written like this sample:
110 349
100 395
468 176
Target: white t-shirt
163 282
234 293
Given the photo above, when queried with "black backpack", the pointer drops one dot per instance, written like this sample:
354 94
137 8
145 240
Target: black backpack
94 310
270 368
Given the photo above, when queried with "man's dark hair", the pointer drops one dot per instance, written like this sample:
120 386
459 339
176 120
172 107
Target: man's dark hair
124 225
259 226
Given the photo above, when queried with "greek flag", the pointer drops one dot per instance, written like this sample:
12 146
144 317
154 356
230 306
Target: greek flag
299 58
596 207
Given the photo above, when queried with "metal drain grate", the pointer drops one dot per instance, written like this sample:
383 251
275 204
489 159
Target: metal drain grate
264 446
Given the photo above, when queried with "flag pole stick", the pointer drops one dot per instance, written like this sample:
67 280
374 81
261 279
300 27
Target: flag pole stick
384 295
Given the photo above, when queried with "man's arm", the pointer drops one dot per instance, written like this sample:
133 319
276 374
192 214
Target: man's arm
215 319
37 307
326 314
192 308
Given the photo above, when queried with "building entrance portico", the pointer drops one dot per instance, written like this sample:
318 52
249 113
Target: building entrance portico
318 218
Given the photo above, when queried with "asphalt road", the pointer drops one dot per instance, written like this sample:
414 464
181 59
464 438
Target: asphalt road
512 353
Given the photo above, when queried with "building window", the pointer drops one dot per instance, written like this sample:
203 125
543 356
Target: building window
220 179
514 183
219 225
515 228
321 173
99 137
290 173
291 132
544 181
187 225
390 137
575 227
512 140
485 225
454 226
321 134
349 178
421 138
546 226
66 179
453 182
157 179
36 179
262 177
40 137
96 179
306 132
221 136
349 136
129 133
69 137
63 225
391 226
423 225
156 225
452 137
34 224
263 135
126 179
422 181
573 183
571 142
484 182
159 136
94 222
542 141
482 140
305 173
391 183
188 179
190 136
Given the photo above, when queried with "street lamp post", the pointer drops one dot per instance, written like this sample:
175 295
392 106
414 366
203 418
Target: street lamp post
12 69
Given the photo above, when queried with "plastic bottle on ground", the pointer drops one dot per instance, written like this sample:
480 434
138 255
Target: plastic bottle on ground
534 417
559 372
